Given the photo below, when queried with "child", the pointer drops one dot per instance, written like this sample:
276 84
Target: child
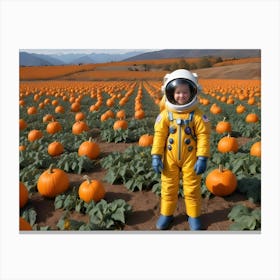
181 144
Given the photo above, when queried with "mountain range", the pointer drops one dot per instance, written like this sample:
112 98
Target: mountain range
35 59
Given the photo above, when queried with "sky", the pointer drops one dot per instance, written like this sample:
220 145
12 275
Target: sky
85 51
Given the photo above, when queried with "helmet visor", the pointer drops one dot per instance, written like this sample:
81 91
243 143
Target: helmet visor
171 86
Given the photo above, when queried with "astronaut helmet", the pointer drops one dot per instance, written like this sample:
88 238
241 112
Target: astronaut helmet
176 78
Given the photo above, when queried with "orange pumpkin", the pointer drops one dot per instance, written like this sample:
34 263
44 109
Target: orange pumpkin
79 127
59 109
223 126
75 107
55 102
215 109
120 124
240 109
121 114
221 182
256 149
251 101
91 190
252 118
22 124
139 114
228 144
110 114
48 118
23 195
146 140
34 135
53 127
24 225
32 110
55 148
104 117
52 182
89 149
22 147
80 116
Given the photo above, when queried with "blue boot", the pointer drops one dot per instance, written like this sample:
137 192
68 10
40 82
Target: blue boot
164 222
194 223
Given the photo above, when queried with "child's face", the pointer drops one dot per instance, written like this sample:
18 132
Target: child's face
182 94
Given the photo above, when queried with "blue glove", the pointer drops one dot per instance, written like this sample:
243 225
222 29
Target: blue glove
157 163
200 165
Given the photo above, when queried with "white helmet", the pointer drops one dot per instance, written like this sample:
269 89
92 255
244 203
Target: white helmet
172 80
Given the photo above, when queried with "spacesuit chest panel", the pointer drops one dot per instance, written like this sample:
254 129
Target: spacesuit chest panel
181 139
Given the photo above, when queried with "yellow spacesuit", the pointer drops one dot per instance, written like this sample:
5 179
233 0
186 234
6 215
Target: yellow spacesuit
182 136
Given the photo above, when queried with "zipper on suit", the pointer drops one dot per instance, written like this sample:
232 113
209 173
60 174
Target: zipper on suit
179 123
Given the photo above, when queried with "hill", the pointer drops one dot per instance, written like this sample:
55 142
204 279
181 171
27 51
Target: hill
34 59
247 71
89 72
183 53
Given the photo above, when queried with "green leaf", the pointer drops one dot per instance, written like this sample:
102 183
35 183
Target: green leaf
256 214
58 203
119 216
237 211
247 222
30 215
236 226
237 166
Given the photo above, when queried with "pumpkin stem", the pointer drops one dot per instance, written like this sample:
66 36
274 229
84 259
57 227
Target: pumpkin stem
91 139
221 168
50 170
224 119
86 177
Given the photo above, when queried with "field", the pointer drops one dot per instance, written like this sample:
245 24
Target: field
112 106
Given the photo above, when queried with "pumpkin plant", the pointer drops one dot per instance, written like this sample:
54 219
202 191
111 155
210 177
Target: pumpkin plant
244 218
52 182
221 182
91 190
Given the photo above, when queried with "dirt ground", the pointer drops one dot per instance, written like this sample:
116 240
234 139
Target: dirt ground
145 204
